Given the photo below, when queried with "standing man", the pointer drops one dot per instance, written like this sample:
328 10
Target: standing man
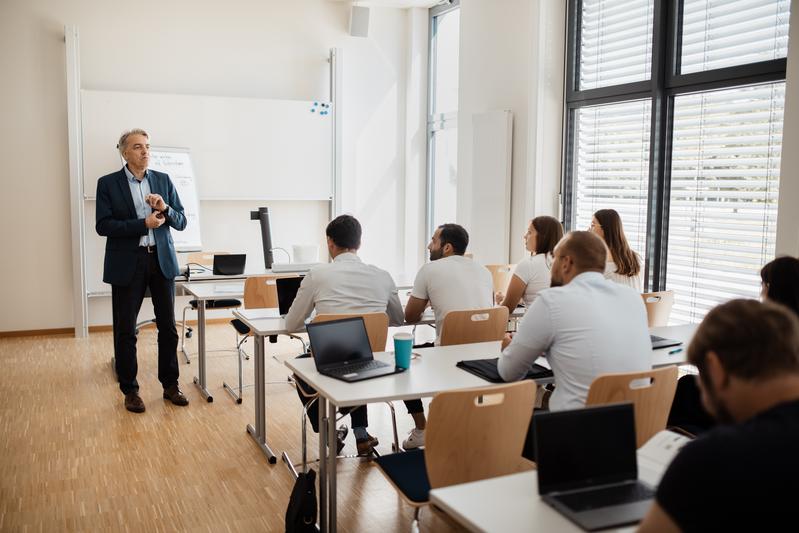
135 209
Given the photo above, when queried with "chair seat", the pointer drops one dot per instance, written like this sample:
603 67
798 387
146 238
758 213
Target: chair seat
240 326
217 304
407 470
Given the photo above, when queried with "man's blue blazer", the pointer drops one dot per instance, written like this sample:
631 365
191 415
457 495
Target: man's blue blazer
117 220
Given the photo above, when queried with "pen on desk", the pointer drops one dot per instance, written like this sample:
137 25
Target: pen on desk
676 350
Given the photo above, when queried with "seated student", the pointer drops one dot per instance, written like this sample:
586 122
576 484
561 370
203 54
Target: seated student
450 282
742 475
780 282
532 272
585 325
346 285
623 264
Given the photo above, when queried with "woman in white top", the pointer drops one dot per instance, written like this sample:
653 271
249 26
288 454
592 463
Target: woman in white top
532 272
623 265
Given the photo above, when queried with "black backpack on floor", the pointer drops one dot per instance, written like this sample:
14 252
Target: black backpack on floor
301 512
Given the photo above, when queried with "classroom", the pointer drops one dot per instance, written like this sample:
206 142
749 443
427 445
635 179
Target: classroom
486 205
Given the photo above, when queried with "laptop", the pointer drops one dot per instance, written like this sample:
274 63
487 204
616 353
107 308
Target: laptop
662 342
229 264
341 350
587 466
286 292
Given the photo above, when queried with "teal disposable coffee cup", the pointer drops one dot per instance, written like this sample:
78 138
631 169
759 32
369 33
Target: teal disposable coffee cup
403 343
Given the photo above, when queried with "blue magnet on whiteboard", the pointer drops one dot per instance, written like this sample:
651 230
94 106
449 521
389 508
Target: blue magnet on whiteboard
313 110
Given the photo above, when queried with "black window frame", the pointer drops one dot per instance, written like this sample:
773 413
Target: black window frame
664 85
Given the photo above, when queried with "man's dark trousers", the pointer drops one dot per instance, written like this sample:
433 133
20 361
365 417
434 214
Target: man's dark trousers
126 302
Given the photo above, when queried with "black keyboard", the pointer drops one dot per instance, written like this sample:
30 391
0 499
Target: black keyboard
605 497
356 368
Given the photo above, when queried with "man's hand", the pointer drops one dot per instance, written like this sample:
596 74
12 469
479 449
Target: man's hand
498 297
153 221
156 202
506 340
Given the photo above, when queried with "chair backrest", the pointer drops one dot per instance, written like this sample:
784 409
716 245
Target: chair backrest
474 325
203 258
477 434
658 307
376 327
260 292
501 275
651 393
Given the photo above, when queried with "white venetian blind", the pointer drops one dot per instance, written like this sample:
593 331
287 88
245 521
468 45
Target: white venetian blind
724 187
615 42
612 166
725 33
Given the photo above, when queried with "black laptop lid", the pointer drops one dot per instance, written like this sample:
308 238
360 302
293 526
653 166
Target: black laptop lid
337 342
286 292
585 447
229 264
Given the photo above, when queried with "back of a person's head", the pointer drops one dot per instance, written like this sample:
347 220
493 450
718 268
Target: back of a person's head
624 257
549 233
754 341
345 232
781 277
455 235
586 250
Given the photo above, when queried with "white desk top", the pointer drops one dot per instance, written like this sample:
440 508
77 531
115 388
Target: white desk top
684 333
433 372
215 291
262 322
506 504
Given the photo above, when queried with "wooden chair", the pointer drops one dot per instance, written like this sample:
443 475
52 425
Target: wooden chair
260 292
658 307
651 393
474 325
501 275
471 434
205 259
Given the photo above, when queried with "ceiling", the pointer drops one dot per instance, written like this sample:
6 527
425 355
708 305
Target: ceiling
392 3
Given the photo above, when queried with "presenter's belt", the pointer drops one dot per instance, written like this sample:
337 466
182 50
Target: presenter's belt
150 249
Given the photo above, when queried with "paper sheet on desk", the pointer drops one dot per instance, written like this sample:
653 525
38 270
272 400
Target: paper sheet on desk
656 454
543 362
228 288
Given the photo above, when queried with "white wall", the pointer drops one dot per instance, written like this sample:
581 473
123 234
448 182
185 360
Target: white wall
511 57
788 217
265 49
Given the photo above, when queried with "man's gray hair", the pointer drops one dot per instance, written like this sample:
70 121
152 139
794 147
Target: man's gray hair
123 139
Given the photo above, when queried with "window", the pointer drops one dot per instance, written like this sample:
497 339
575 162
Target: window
442 122
674 118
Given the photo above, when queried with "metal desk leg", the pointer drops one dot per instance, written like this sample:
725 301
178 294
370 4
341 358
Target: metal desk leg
322 406
200 380
331 467
259 431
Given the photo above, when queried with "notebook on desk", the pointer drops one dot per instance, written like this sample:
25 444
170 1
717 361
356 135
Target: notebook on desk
487 369
661 342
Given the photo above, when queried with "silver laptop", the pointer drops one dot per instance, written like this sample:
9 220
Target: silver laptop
341 350
587 466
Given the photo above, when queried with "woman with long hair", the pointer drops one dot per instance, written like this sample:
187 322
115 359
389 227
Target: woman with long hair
780 282
533 272
623 264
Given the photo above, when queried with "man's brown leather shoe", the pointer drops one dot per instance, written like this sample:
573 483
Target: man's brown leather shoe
174 395
134 403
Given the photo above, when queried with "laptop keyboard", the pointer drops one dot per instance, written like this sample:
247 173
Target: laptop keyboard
356 368
605 497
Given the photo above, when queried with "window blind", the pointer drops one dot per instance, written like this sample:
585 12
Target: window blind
733 32
723 202
612 166
615 42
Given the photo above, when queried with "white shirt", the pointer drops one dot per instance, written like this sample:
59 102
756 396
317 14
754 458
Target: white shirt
634 282
453 283
534 272
346 285
590 326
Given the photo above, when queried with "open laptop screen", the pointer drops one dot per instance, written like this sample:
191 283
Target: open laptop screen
585 447
229 264
338 341
286 292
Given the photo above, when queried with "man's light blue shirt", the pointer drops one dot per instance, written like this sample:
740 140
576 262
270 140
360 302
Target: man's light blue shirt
139 190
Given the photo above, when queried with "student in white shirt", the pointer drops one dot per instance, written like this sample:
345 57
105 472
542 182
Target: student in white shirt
585 325
532 274
450 282
346 285
623 264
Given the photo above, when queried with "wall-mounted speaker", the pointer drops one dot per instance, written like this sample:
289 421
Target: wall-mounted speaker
359 21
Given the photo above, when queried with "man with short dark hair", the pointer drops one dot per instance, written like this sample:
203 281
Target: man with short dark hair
743 475
450 282
345 286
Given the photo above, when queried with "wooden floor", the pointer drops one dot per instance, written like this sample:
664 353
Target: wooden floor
73 459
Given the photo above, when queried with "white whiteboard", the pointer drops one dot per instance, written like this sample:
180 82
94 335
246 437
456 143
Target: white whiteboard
177 163
241 147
